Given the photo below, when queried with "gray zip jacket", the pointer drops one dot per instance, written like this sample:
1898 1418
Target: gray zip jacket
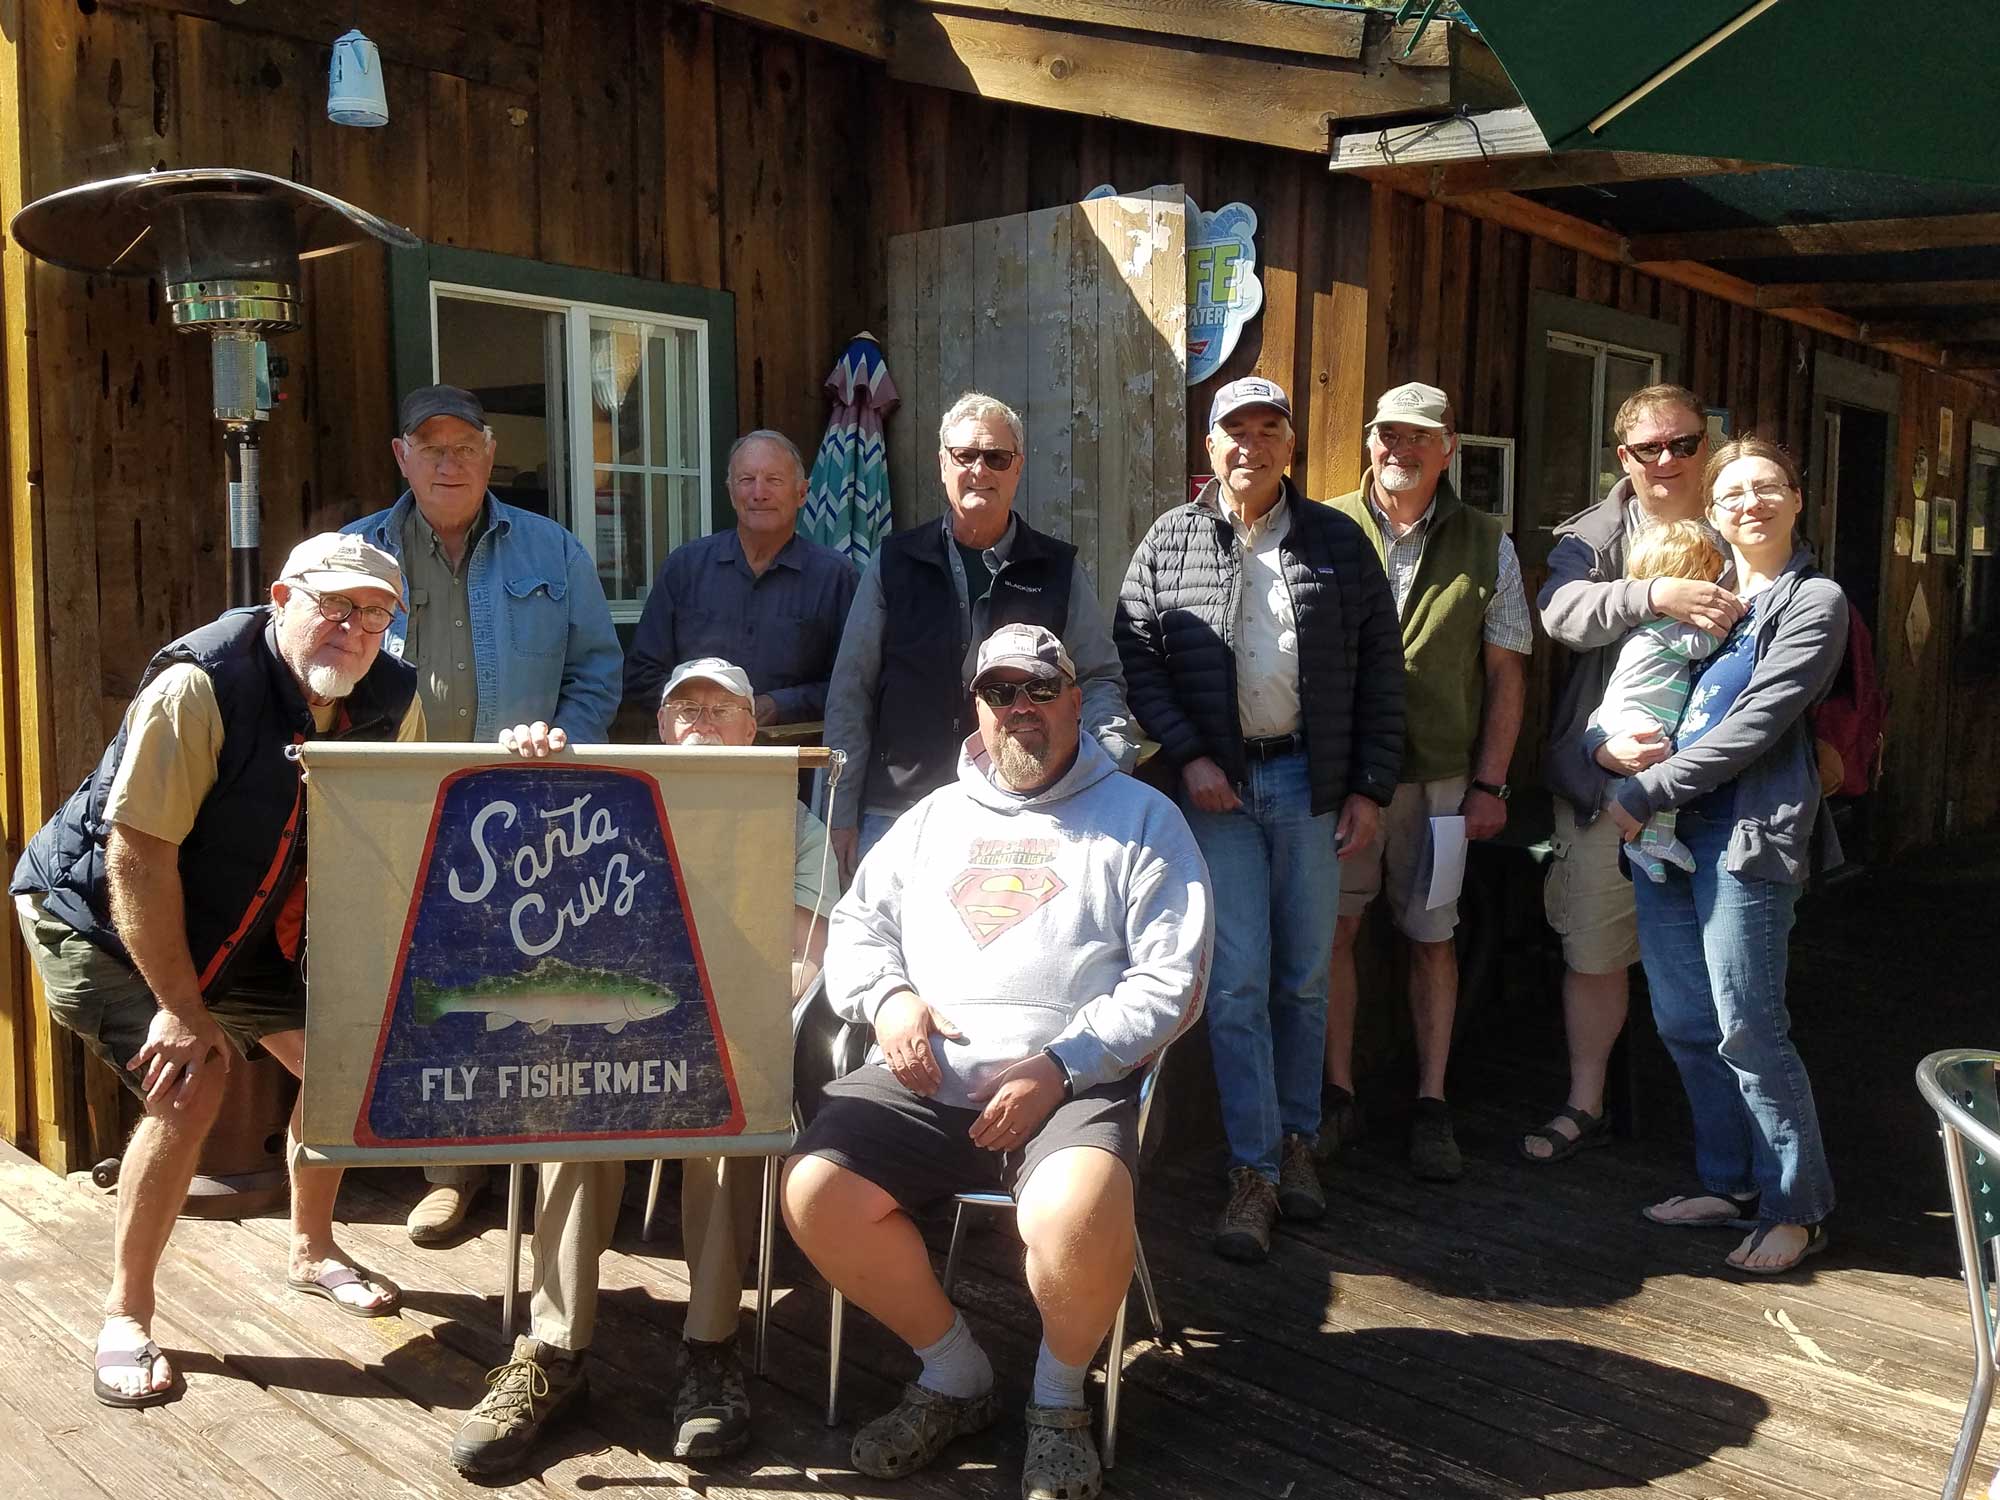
1076 919
1765 742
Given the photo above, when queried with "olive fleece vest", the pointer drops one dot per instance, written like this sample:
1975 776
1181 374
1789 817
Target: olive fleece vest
1444 624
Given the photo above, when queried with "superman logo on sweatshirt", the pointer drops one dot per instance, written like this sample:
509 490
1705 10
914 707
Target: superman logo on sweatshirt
989 900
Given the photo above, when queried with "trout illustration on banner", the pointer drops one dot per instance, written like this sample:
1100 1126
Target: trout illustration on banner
552 993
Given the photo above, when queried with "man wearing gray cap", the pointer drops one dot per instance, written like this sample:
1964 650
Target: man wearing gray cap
1023 941
1466 636
1261 650
707 701
164 905
507 624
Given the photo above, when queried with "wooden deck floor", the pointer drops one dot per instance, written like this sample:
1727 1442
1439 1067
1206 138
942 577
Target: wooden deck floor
1521 1334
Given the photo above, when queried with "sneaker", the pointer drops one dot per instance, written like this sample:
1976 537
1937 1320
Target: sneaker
439 1213
538 1387
1299 1194
1245 1231
711 1407
1061 1462
1434 1154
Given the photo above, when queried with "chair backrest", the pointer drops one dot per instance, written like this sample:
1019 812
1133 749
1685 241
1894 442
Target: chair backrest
1964 1088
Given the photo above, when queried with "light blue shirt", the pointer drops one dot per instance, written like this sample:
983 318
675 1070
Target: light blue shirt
543 645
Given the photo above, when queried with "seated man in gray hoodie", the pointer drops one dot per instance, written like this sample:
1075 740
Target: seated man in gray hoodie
1024 942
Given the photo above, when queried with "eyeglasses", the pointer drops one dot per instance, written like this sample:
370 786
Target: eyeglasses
704 713
999 460
1767 493
435 454
1001 694
338 609
1406 437
1684 446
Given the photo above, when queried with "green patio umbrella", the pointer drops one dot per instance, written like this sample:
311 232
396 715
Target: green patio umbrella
1912 90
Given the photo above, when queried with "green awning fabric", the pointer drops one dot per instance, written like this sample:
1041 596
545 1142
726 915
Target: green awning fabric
1912 90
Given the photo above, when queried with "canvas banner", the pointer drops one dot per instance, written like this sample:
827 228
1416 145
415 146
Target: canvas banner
510 960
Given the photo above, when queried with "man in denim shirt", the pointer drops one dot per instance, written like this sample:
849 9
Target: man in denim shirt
507 625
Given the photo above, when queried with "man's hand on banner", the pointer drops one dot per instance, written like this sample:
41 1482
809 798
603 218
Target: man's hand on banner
536 741
176 1051
903 1026
1017 1102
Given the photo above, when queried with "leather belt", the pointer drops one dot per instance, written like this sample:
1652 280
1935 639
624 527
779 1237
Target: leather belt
1271 746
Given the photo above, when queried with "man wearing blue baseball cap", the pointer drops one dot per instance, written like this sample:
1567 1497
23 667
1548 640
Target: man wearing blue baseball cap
1261 649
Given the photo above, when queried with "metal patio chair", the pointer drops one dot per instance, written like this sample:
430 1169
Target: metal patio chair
850 1046
1961 1087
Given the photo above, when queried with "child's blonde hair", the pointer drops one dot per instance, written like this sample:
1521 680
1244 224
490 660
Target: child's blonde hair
1674 549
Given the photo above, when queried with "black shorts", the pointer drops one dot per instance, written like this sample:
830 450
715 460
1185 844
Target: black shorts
919 1151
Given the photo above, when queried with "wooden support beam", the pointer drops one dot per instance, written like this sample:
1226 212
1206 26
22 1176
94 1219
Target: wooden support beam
1533 174
853 25
1245 23
1475 137
1178 86
1944 330
1866 295
1849 237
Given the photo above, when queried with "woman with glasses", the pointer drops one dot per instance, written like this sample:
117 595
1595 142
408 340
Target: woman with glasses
1744 781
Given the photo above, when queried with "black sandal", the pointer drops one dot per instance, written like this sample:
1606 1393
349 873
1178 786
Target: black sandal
1591 1130
1743 1217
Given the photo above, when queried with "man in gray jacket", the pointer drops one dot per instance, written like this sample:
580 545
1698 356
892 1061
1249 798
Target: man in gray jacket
1589 605
1029 939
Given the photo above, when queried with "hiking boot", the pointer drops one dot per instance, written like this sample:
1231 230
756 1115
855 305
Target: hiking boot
912 1433
1245 1231
1299 1194
540 1386
1061 1462
1339 1122
711 1408
1434 1155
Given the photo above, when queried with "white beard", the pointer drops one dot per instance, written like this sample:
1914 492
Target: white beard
1396 479
330 682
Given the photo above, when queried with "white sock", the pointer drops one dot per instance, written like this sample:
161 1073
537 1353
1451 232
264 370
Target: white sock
955 1365
1058 1384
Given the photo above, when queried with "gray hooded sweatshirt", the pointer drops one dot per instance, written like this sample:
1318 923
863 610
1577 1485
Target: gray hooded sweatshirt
1076 919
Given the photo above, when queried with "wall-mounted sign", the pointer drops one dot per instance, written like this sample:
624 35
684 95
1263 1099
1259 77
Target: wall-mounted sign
1920 474
1944 442
1224 292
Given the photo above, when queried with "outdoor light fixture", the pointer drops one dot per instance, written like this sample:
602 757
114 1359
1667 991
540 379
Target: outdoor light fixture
355 93
226 244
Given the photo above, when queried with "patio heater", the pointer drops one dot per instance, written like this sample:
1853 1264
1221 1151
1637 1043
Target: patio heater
226 245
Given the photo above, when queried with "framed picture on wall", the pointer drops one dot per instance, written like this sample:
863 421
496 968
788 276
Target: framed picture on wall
1482 471
1920 533
1944 527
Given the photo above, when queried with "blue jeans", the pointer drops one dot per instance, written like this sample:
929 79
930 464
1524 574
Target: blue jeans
1714 946
1275 876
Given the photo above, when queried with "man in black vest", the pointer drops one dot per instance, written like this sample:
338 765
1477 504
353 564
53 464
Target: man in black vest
900 702
164 904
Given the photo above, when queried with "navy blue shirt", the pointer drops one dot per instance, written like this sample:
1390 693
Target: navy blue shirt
782 627
1719 681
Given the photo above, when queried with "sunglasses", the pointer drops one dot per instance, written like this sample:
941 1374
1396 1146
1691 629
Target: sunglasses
1684 446
1001 694
999 460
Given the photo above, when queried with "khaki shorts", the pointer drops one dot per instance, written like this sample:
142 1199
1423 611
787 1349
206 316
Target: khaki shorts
1588 898
109 1007
1400 861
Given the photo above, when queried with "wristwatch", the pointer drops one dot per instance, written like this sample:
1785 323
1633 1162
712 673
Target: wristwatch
1069 1084
1493 789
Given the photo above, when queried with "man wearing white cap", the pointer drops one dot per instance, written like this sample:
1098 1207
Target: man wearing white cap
164 905
1466 637
1260 650
1023 942
707 701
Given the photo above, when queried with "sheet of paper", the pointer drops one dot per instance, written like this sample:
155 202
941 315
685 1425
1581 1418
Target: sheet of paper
1447 861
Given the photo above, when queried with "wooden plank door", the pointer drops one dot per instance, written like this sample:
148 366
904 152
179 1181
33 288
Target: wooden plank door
1076 317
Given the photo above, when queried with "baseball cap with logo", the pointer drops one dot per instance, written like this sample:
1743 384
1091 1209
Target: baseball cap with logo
724 674
429 401
1251 390
1413 405
1025 648
335 561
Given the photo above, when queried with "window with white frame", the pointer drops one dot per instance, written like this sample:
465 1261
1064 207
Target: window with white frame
1586 381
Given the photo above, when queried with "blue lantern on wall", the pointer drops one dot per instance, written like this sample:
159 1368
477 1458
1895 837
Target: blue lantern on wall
355 94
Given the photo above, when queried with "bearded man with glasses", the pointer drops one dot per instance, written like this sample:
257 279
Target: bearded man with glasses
1589 605
898 704
507 624
164 906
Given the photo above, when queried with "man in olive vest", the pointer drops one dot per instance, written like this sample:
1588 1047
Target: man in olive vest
1466 636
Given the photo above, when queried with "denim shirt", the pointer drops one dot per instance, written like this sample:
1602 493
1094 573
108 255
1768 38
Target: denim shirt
543 645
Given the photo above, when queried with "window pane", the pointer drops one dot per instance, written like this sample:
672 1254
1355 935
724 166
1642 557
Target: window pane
618 433
661 372
620 536
1623 374
509 357
1568 437
690 397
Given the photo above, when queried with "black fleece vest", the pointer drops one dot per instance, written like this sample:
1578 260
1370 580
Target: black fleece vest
247 847
922 709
